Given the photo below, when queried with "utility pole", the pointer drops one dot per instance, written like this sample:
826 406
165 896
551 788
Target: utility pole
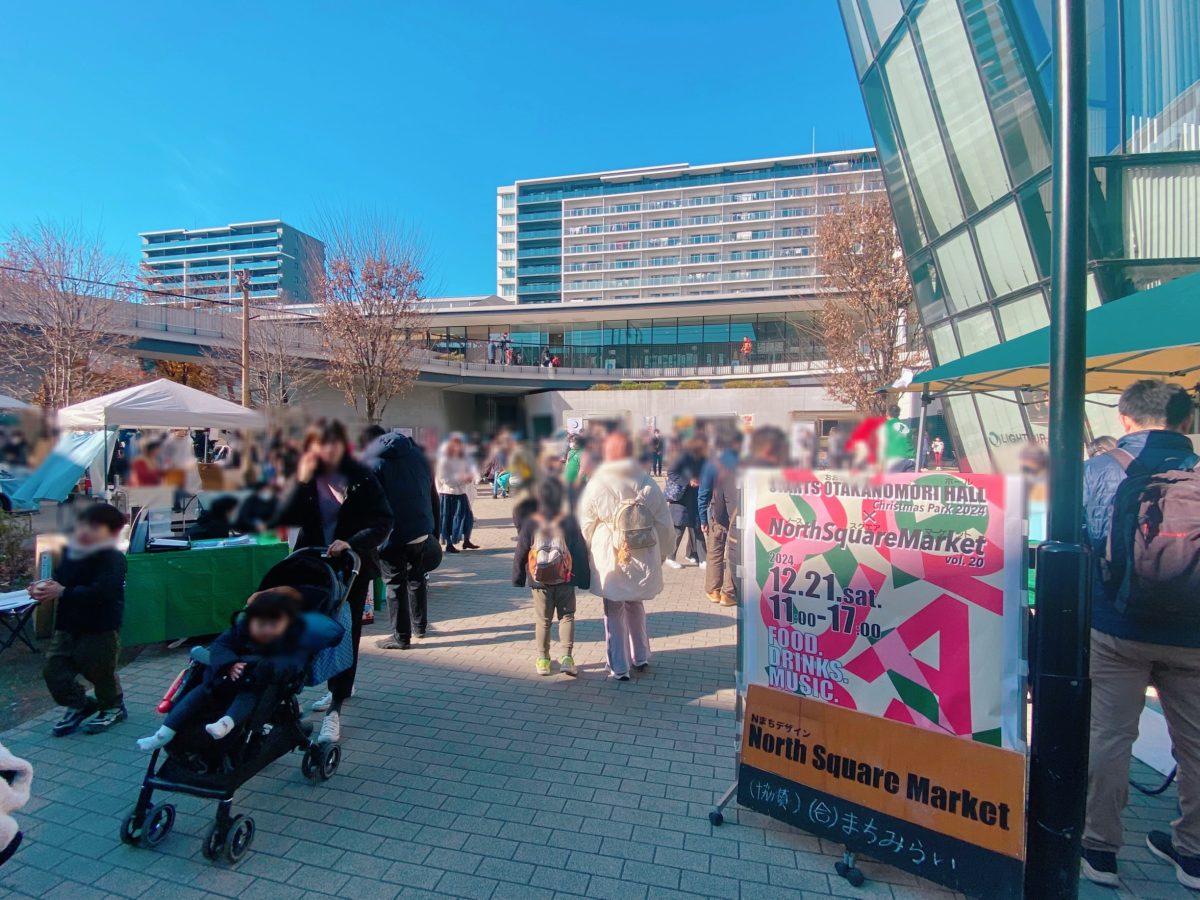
244 284
1062 633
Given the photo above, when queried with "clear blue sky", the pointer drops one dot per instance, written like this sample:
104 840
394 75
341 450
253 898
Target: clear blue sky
129 117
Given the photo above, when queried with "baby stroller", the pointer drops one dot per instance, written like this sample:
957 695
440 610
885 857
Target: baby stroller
196 764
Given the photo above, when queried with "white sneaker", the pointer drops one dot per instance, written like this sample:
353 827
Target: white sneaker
331 729
327 701
674 564
703 565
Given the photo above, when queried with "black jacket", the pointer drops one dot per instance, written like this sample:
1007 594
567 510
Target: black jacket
581 568
93 597
277 662
407 481
363 522
686 510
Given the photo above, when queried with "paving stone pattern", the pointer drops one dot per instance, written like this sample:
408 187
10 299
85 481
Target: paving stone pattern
467 775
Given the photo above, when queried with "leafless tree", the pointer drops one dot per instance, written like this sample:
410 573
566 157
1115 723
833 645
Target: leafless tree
280 367
369 294
57 285
869 325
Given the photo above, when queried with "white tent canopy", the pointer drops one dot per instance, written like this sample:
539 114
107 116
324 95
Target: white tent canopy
158 404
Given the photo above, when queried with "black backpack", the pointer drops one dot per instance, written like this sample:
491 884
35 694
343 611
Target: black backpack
1152 563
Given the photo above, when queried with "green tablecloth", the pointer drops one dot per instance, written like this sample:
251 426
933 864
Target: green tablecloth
192 592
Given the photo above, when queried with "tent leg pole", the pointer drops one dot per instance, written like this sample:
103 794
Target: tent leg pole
921 430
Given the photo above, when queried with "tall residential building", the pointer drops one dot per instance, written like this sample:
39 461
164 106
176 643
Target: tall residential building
958 94
673 231
204 262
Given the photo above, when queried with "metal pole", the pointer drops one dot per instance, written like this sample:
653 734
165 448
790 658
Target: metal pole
1061 687
244 284
921 429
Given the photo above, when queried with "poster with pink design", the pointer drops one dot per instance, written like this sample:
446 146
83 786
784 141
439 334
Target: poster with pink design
897 595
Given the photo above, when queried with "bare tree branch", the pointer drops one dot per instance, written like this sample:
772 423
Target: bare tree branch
370 292
56 291
870 328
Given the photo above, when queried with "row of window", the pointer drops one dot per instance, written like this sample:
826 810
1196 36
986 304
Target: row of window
689 259
756 234
692 278
873 184
754 216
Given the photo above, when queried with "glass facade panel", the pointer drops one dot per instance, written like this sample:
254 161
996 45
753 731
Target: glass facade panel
960 98
942 344
918 131
1010 93
927 288
1004 429
859 48
976 331
960 272
1162 75
1101 411
912 235
881 17
1035 202
1005 250
970 434
1023 315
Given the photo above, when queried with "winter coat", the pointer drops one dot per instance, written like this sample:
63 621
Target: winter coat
280 661
363 522
403 473
581 573
686 510
93 597
454 474
1158 451
641 578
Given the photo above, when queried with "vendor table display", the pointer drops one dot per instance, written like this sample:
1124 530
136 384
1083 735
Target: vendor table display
191 592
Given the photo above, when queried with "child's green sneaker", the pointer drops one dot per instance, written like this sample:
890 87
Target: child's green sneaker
543 666
567 666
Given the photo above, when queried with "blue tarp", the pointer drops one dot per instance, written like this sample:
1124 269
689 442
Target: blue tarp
58 473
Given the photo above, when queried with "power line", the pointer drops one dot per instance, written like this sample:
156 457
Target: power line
144 290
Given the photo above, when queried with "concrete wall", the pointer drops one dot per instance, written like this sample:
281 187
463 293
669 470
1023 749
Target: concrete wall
770 406
424 407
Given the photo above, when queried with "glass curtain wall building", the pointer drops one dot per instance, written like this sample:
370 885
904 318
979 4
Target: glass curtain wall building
958 97
204 262
673 231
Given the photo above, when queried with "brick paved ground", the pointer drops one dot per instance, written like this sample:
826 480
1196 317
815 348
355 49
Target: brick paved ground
467 775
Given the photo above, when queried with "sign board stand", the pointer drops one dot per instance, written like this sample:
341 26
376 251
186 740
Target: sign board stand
880 680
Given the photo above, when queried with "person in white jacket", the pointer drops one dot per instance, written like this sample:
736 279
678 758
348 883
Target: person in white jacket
627 527
453 476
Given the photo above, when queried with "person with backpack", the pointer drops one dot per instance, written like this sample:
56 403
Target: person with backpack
552 559
627 527
1142 519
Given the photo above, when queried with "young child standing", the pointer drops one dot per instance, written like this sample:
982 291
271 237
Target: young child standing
89 585
552 558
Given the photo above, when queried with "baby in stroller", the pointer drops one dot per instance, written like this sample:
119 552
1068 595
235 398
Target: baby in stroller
269 643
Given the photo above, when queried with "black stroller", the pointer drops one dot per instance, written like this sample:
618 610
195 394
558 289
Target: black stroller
195 764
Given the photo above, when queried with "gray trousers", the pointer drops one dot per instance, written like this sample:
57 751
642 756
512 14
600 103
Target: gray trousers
548 600
1121 672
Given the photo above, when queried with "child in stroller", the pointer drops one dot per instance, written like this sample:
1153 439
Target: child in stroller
267 644
299 620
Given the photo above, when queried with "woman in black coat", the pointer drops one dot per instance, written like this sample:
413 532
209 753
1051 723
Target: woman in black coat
338 503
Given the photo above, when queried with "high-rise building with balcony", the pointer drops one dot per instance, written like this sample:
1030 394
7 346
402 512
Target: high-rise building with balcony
673 231
204 262
958 94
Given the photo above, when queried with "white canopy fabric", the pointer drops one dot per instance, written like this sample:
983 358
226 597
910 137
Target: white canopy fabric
158 404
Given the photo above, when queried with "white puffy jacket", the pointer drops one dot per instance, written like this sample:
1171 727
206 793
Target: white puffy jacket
612 483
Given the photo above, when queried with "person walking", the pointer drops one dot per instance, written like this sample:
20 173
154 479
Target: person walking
1144 627
453 478
627 527
683 495
412 549
656 451
552 559
718 575
338 504
937 447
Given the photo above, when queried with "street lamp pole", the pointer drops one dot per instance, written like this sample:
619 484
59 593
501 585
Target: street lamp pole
244 284
1061 686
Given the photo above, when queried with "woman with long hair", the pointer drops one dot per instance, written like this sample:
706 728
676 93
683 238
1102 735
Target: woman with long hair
338 504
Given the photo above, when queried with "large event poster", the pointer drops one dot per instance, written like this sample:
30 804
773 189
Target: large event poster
895 595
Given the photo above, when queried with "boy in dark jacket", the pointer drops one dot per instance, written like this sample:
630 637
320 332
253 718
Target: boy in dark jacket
550 546
269 643
89 585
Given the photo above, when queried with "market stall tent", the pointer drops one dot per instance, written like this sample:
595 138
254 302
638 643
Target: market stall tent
1151 334
158 404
